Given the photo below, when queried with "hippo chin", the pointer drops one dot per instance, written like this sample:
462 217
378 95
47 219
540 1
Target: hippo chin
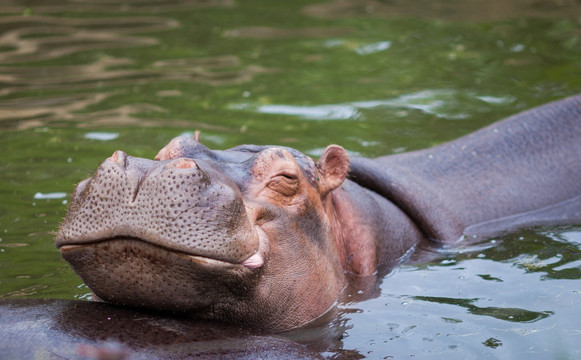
264 236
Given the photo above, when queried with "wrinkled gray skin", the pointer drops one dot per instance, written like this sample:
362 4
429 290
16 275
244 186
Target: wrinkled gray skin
263 236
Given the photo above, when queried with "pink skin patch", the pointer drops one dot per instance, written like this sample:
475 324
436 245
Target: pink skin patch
173 150
185 164
112 351
118 158
257 260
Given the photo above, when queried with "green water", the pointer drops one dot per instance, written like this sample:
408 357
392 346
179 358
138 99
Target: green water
80 79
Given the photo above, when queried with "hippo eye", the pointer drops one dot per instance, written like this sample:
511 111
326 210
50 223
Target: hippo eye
284 183
288 176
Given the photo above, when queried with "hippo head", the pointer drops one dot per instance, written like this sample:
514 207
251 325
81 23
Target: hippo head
244 236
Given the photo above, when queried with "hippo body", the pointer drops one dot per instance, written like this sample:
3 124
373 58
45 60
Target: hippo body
264 237
65 329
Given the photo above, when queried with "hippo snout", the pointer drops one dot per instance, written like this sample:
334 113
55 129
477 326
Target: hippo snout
182 205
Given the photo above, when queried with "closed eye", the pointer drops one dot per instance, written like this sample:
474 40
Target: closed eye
288 176
286 184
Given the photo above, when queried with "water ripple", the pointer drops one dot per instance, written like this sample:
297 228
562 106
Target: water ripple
114 6
442 103
491 10
35 38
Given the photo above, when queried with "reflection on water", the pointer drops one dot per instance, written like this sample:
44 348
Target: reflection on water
264 32
443 103
13 245
70 77
65 36
26 113
31 290
46 196
40 6
506 314
466 10
221 70
35 38
361 49
101 136
29 39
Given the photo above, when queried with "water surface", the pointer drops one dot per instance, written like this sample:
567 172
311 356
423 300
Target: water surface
80 79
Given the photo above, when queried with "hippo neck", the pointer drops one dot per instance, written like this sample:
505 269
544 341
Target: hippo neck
372 233
524 163
414 196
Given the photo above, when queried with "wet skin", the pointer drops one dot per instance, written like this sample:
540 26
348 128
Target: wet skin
266 238
64 329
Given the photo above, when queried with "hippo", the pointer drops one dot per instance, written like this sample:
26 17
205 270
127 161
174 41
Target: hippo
266 238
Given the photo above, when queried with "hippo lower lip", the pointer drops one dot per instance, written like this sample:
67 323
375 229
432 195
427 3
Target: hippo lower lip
253 262
135 272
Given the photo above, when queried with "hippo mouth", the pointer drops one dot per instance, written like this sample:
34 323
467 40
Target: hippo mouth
253 262
136 272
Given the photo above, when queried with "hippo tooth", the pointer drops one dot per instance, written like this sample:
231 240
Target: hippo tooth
254 262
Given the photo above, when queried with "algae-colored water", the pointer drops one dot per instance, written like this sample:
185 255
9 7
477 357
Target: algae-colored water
80 79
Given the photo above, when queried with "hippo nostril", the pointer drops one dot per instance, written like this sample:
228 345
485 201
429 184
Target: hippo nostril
119 157
185 164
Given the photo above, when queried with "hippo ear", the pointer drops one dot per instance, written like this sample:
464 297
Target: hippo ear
333 167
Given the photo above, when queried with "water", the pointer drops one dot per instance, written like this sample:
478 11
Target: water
80 79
